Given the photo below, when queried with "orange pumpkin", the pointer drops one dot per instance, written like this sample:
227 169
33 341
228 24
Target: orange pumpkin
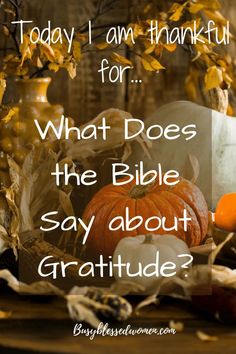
146 201
225 215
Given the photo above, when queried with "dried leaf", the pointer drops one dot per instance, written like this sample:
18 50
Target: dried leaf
120 59
3 239
170 47
71 68
195 7
54 67
12 111
102 45
115 118
195 167
37 288
178 326
47 51
77 51
215 252
216 16
83 303
25 49
206 337
5 314
192 24
66 204
10 11
213 77
5 31
2 88
150 48
177 11
151 64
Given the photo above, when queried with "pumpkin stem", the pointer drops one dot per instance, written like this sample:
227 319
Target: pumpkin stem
139 191
148 238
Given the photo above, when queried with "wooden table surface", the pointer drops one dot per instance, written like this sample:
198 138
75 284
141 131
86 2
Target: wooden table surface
42 325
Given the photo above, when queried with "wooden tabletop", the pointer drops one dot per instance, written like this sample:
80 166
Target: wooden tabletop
42 325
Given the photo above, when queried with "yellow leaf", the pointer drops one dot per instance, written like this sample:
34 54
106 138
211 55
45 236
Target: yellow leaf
213 77
151 64
120 59
170 47
47 51
2 88
12 111
159 49
147 8
5 314
81 36
71 68
5 31
53 66
24 49
230 110
77 51
216 17
137 30
192 23
150 48
147 66
177 11
102 45
195 7
227 79
205 337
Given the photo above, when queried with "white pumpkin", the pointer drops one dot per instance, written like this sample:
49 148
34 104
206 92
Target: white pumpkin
142 251
214 148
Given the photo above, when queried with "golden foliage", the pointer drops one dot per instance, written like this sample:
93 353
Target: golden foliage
210 66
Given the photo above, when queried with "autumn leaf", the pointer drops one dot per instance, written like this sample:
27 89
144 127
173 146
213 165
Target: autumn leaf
195 7
12 111
54 67
170 47
206 337
192 24
151 64
71 68
5 314
5 30
102 45
199 5
120 59
150 48
227 79
138 30
25 49
177 11
216 16
2 88
213 78
230 110
47 51
77 51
